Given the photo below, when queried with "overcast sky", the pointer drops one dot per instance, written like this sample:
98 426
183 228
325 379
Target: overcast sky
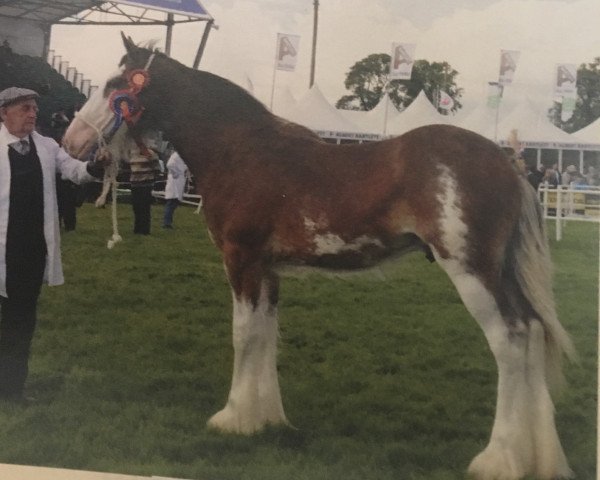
469 34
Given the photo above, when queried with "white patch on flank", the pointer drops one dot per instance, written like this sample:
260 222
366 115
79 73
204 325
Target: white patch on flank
330 243
454 230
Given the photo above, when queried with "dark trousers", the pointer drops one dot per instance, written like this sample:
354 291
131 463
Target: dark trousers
18 320
141 201
16 332
67 192
170 206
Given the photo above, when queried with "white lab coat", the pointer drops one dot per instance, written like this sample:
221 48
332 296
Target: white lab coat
176 177
53 160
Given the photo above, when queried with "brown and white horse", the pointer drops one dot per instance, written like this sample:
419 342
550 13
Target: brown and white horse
275 195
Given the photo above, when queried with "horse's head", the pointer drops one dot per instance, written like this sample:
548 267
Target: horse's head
110 107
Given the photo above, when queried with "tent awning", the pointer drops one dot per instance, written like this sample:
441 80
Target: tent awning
190 8
111 12
42 11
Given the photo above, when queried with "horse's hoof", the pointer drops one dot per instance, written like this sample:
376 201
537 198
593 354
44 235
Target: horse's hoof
497 463
228 421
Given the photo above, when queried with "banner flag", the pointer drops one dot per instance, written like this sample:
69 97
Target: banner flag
445 102
566 79
287 52
402 61
494 94
508 65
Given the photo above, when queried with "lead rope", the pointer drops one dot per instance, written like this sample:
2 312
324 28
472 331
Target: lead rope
109 183
111 179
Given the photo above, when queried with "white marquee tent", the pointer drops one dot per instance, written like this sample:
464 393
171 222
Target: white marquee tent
374 121
534 129
419 113
315 112
591 133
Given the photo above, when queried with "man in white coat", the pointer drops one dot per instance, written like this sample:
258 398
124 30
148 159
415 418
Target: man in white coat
176 179
29 228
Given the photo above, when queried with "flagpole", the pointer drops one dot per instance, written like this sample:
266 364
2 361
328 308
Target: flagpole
498 113
273 85
314 43
274 73
385 110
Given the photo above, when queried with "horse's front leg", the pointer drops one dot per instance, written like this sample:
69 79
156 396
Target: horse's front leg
254 399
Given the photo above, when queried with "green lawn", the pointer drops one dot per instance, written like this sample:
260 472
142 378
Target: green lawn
384 375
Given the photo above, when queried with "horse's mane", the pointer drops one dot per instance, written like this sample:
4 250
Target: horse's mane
216 90
202 91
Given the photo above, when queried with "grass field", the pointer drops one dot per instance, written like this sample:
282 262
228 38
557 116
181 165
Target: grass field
384 376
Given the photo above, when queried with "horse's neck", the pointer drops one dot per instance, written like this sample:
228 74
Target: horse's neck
205 101
207 118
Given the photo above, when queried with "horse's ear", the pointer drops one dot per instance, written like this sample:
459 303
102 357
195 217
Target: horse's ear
128 42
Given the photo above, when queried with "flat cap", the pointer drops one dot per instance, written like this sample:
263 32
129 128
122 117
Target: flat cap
13 94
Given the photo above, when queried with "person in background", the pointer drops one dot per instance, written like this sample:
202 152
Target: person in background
144 168
591 177
536 176
569 175
67 192
551 177
175 188
557 174
29 228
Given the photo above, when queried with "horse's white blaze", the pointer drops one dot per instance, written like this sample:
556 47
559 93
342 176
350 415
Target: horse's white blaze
93 120
454 229
254 399
524 439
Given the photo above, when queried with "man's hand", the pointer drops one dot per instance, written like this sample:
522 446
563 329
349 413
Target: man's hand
103 157
102 160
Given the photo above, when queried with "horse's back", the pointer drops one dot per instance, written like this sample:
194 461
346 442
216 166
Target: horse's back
435 182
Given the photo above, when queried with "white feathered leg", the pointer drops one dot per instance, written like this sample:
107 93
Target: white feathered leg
254 399
524 440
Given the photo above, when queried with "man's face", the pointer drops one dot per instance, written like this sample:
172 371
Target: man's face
20 117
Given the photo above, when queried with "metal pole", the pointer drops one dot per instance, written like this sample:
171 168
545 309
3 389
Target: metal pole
314 42
170 23
273 81
47 29
560 160
209 25
559 213
498 113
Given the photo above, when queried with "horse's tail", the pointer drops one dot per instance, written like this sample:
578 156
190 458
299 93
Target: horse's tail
533 272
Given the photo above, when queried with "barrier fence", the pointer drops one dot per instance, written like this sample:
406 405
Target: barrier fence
573 203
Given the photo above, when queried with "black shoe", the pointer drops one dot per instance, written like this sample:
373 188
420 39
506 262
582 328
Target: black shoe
170 227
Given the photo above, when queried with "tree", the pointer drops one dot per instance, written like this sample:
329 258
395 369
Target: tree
587 105
368 78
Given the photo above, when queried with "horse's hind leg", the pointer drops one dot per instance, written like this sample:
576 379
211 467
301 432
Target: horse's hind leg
524 440
254 399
